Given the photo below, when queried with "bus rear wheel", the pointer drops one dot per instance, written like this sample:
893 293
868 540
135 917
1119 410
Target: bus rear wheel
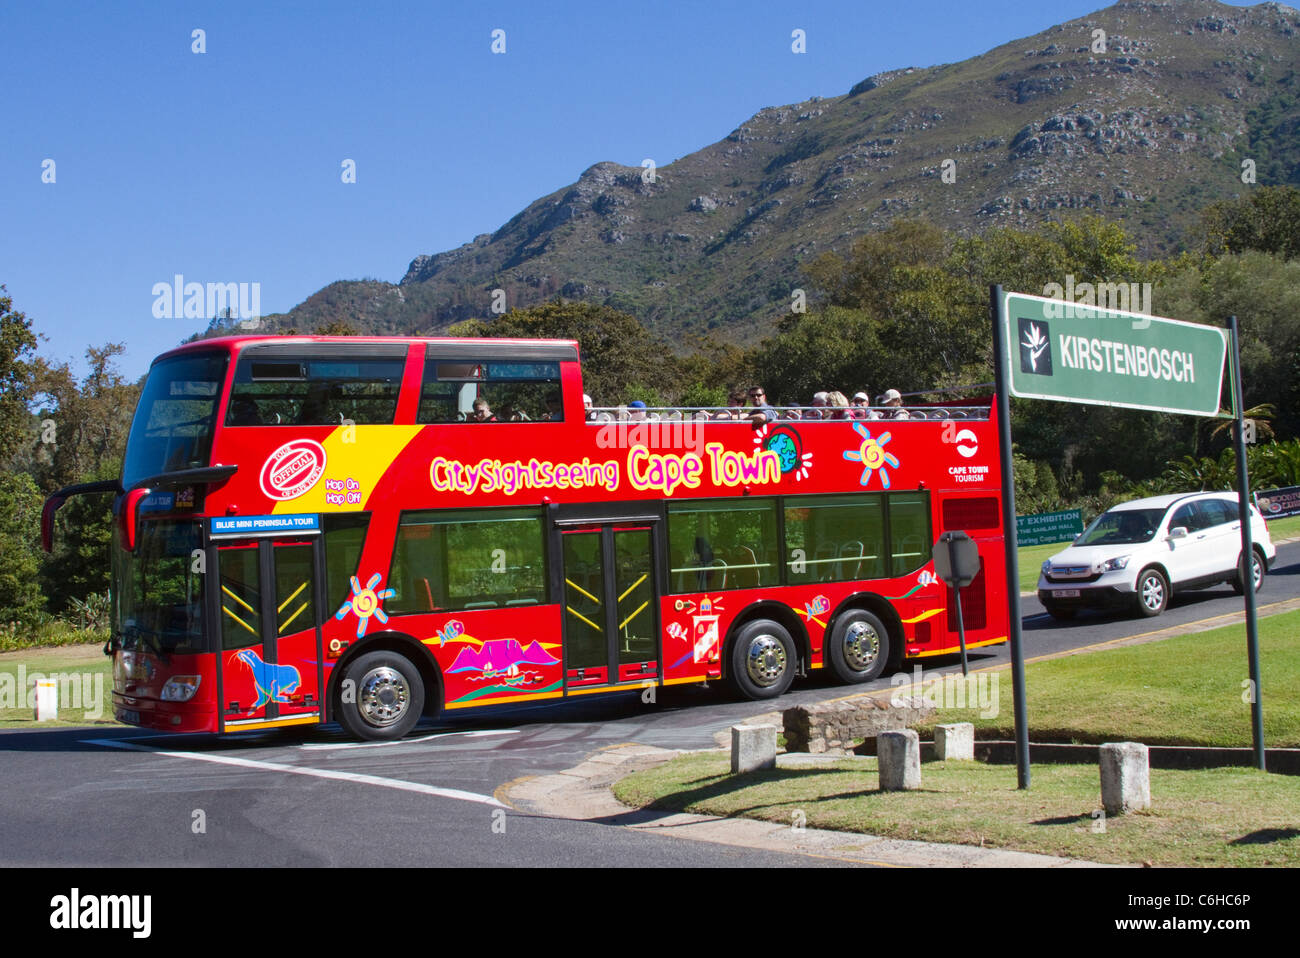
763 659
380 696
858 646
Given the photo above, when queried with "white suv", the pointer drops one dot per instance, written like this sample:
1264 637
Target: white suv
1138 553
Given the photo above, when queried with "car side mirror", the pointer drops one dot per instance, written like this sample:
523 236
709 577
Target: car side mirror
1178 532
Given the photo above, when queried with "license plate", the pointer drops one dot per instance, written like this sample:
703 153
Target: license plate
1065 593
128 716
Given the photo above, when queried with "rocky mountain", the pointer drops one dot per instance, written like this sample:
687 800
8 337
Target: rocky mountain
1143 112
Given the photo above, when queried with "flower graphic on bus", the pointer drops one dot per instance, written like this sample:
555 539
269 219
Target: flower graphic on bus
785 442
872 455
365 603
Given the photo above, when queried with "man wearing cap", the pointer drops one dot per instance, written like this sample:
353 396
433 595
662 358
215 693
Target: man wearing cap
894 399
636 410
859 407
586 408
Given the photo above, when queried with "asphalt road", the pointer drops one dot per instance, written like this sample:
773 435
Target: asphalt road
120 797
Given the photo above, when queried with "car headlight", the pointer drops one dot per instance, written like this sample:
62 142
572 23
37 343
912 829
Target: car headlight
1047 566
1110 565
180 688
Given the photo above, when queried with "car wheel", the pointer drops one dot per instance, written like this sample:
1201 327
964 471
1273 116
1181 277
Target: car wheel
763 660
380 696
858 646
1152 592
1061 613
1257 571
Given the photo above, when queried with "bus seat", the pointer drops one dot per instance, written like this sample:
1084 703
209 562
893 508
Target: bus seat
746 578
854 552
480 605
510 602
716 577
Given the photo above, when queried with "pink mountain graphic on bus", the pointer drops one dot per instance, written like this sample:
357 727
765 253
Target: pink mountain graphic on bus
499 655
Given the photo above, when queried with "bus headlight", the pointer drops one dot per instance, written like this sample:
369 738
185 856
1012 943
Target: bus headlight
180 688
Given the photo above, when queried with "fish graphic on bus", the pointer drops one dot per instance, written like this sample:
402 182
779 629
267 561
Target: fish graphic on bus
274 682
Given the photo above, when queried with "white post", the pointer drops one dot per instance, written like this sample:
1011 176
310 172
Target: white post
46 696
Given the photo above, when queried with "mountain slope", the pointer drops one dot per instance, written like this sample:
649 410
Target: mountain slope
1147 132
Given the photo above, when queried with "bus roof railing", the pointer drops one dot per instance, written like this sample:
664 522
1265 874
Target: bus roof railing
802 414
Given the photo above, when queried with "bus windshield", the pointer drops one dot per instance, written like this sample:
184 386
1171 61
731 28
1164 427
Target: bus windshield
176 417
159 601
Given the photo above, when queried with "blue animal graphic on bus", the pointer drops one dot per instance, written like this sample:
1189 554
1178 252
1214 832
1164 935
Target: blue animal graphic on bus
274 682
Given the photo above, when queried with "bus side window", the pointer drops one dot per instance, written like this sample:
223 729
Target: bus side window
345 534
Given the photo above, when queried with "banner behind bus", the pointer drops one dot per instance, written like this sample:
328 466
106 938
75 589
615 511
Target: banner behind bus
1048 527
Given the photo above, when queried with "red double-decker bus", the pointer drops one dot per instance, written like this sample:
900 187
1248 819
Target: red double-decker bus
367 530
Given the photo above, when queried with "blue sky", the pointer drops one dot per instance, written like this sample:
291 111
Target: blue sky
226 166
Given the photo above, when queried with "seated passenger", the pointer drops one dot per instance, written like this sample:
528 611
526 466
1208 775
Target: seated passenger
554 410
762 411
586 408
860 407
837 405
636 411
820 401
482 412
735 407
894 401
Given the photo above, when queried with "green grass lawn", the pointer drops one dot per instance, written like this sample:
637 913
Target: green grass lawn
1230 816
86 682
1186 690
1183 690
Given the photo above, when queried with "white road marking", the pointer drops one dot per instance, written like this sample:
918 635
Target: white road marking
355 777
476 733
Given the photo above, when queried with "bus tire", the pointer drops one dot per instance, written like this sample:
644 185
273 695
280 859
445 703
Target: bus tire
763 660
858 646
380 696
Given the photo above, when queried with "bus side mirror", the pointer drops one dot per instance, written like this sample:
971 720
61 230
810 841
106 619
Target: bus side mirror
129 517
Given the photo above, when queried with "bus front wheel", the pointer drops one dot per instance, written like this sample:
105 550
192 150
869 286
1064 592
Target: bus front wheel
763 660
380 696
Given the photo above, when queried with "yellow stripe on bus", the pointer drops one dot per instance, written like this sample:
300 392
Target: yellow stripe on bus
274 723
239 620
622 624
583 591
488 700
294 616
633 586
292 597
922 616
956 650
226 589
585 619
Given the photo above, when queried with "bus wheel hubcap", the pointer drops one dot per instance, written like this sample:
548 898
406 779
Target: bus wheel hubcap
766 660
861 646
383 696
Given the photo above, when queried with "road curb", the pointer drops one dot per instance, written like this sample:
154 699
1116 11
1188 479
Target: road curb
582 793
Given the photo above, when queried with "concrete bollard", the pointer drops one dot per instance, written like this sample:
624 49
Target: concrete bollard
899 755
1125 777
46 696
955 743
752 747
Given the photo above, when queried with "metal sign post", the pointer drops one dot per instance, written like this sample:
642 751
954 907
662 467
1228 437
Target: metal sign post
1247 567
998 307
957 563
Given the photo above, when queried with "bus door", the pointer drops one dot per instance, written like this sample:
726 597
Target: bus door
611 591
269 664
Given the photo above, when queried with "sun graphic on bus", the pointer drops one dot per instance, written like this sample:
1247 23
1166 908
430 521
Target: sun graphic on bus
365 603
785 442
872 456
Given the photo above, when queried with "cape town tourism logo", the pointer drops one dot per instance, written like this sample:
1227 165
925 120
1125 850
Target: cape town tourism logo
293 469
1035 347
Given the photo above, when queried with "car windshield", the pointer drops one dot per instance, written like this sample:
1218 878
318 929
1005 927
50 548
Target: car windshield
1129 525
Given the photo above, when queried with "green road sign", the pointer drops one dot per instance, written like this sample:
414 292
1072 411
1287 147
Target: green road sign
1105 357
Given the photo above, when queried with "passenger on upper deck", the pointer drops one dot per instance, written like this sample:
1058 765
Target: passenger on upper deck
893 399
636 410
554 409
762 411
838 405
735 407
820 401
482 412
586 407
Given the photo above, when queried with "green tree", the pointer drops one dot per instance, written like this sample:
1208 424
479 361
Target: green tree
20 556
17 345
1266 220
618 354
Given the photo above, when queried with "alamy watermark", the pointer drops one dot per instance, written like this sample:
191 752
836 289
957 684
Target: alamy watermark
979 690
656 434
1075 298
181 300
77 690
